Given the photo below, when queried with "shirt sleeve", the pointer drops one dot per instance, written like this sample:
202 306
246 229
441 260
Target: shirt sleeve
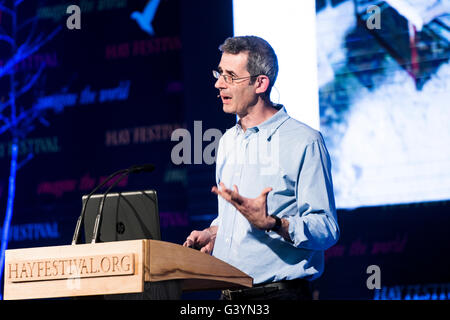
315 227
215 222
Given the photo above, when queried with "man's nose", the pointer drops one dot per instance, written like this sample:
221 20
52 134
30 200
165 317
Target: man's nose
220 83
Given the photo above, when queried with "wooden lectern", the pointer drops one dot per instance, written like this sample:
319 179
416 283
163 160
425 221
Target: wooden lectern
112 268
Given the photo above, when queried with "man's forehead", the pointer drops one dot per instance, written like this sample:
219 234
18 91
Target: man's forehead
236 63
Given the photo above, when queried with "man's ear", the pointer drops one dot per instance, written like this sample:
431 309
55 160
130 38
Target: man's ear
262 84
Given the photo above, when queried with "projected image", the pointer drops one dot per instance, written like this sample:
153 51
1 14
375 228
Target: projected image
384 95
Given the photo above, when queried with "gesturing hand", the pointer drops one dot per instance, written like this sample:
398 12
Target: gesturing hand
202 240
255 210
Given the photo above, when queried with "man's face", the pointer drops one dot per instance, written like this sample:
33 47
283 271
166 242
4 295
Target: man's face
239 95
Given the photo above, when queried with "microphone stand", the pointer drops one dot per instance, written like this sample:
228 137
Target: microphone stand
83 210
124 172
101 205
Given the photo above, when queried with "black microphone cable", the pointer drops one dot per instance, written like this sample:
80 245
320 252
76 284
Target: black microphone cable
132 169
83 209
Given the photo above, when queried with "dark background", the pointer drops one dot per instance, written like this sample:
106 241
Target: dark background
171 86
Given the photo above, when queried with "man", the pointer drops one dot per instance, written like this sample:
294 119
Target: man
276 204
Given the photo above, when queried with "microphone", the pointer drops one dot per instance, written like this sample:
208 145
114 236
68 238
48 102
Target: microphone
132 169
142 168
83 209
135 168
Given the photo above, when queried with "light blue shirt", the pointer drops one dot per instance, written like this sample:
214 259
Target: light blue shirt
290 157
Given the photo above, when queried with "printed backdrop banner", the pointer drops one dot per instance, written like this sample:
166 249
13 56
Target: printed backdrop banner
115 89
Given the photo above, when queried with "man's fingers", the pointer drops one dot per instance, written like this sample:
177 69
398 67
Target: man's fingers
266 191
219 192
188 243
232 196
224 192
207 248
225 189
237 198
191 239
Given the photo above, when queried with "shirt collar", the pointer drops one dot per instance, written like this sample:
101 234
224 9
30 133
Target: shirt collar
271 125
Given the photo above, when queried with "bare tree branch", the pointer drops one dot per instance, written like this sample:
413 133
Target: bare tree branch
32 81
4 119
25 161
5 127
24 121
24 88
25 50
32 32
19 124
5 9
44 121
7 39
4 105
33 20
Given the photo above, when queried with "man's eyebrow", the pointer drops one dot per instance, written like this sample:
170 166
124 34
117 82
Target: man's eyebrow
227 71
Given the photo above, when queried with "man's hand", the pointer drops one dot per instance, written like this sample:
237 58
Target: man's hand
255 210
203 240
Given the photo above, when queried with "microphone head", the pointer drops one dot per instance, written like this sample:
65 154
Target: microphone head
142 168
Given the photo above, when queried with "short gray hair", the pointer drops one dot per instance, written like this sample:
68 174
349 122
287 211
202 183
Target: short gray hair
262 59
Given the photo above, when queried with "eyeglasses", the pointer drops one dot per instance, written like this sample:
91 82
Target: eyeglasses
229 79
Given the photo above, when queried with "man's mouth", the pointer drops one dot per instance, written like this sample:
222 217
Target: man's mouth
225 98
